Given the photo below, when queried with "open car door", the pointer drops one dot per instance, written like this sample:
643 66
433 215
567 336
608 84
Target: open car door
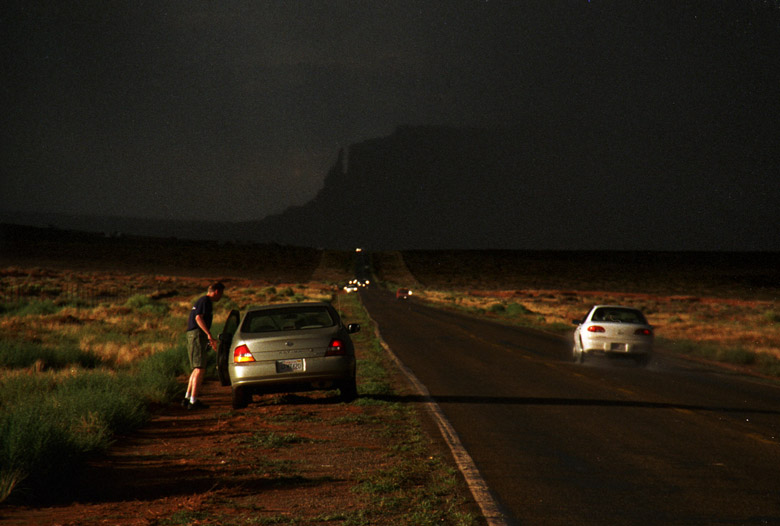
225 340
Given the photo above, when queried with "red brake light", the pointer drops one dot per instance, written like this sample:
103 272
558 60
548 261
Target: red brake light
643 332
596 328
241 354
336 348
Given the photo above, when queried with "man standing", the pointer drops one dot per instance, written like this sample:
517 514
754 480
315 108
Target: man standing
199 338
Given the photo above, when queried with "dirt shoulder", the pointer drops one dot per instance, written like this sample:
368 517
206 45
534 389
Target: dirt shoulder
303 459
290 459
299 459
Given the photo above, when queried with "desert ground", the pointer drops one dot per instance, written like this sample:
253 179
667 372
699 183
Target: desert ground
287 459
308 459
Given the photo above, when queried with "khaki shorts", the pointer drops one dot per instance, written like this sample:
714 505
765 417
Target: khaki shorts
197 348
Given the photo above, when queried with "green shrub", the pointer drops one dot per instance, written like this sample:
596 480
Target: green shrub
769 364
145 304
156 376
48 424
227 304
736 355
34 447
47 427
497 308
510 310
772 316
517 309
19 354
34 307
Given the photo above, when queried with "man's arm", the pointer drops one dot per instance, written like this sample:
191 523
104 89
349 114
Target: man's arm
202 325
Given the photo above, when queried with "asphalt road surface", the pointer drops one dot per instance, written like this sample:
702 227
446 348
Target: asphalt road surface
602 443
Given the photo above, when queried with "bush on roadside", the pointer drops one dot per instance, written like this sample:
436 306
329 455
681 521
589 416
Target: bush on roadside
772 316
33 307
49 423
145 304
15 354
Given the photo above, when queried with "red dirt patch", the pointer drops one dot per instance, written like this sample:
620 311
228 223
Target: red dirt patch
209 466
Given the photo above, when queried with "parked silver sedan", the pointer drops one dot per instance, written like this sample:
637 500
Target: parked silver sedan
286 348
613 330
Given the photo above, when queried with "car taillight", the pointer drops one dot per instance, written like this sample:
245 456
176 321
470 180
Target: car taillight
596 328
336 347
643 332
242 355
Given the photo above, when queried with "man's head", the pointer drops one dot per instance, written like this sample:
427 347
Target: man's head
215 291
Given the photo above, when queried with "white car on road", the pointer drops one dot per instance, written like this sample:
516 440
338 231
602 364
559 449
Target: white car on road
613 330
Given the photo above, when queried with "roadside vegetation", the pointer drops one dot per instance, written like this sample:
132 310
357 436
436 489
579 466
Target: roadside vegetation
75 373
84 359
76 370
86 356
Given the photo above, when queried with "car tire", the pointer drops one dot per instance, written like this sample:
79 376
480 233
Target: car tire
240 398
579 356
348 390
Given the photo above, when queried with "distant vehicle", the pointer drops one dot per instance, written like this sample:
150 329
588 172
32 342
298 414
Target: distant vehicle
287 348
613 330
354 284
403 294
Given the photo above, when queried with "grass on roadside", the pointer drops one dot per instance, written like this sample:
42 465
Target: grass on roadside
77 373
728 354
50 422
414 487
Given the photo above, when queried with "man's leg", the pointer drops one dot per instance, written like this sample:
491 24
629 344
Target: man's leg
197 351
196 381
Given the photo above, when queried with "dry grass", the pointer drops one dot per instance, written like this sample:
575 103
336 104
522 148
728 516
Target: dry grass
92 309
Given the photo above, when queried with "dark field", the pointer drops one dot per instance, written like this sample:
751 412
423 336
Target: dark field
29 246
746 275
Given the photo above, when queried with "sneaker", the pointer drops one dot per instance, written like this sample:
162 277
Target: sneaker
198 405
185 403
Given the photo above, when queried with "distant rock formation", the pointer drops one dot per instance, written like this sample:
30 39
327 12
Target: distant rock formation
572 186
424 187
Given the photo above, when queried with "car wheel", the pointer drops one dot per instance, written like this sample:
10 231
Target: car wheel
578 355
240 398
348 390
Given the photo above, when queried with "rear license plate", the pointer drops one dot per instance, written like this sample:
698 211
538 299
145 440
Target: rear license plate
289 366
619 347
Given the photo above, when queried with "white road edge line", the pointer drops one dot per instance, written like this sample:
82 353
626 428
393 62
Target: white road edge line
479 489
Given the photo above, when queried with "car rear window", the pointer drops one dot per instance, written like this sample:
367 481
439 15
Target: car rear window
619 315
288 319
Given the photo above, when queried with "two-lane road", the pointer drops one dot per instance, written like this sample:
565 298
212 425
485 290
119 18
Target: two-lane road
561 443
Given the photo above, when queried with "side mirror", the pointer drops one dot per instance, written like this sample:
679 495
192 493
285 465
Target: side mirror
352 328
576 322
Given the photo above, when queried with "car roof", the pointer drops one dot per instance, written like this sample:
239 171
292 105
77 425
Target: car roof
614 307
288 305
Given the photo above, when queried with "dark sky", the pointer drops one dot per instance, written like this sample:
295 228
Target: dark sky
230 111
